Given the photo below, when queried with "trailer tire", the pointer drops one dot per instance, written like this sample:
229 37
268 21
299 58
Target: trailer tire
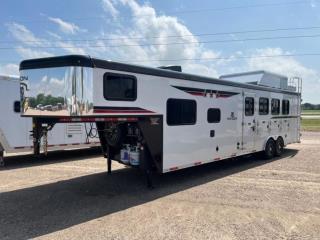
279 146
270 149
2 163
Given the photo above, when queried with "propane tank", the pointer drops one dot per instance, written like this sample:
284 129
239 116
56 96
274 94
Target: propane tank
135 156
124 154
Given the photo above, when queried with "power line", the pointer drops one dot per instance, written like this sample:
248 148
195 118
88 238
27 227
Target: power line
275 4
229 58
241 7
213 58
166 44
170 36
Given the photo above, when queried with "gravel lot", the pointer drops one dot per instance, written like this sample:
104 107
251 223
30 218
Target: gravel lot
69 196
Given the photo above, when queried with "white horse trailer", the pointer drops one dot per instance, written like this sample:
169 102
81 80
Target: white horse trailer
162 118
15 131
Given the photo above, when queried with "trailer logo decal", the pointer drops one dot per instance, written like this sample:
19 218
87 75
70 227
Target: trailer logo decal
232 116
154 121
211 93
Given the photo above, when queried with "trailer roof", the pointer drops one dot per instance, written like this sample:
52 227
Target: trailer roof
87 61
251 73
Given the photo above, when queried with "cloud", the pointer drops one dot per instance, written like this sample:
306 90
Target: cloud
287 66
54 35
313 4
71 48
109 7
146 27
32 53
66 27
9 69
21 33
28 40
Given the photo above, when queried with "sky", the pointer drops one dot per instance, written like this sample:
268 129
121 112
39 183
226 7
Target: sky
212 38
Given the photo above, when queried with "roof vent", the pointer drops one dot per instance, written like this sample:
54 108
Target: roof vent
172 68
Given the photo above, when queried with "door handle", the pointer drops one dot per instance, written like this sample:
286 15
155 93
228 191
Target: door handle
212 133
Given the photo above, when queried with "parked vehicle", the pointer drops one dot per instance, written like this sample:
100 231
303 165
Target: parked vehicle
15 131
165 119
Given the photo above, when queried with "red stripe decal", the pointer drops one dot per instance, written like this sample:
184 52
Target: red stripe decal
21 147
173 168
121 111
197 94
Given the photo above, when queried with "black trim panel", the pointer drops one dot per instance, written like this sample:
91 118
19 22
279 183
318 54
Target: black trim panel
61 61
281 117
152 131
202 91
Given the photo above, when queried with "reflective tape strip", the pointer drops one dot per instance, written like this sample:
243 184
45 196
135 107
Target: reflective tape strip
94 119
60 145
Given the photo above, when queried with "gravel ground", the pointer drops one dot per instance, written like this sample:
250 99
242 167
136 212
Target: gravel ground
69 196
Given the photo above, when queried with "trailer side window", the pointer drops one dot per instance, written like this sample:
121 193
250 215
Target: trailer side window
263 106
275 106
285 107
214 115
119 87
249 106
181 112
16 106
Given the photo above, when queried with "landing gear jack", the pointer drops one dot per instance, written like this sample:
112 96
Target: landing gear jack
109 161
148 174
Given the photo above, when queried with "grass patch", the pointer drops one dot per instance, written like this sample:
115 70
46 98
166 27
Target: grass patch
310 112
310 124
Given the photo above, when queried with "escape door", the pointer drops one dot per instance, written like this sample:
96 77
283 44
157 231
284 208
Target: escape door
249 123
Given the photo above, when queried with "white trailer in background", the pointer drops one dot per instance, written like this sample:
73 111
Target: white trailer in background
15 131
162 119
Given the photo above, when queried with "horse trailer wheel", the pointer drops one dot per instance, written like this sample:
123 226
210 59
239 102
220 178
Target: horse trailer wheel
2 163
279 146
270 149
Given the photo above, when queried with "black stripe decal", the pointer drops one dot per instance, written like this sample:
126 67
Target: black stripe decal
202 91
282 117
101 109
